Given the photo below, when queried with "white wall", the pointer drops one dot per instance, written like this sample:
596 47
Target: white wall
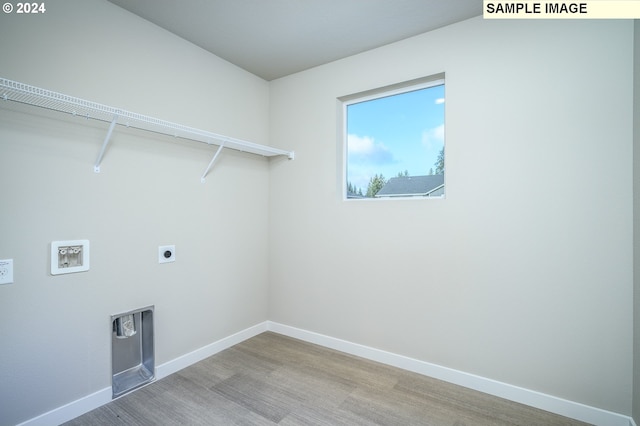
636 221
523 274
55 330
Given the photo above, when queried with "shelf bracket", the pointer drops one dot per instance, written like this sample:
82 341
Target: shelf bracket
96 166
213 160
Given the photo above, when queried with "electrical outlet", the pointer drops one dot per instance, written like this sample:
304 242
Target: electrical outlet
6 271
166 254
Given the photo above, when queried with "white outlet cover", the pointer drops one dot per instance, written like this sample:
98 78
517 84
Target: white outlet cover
166 254
6 271
69 256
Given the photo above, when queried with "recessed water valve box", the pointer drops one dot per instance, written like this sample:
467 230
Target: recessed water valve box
69 256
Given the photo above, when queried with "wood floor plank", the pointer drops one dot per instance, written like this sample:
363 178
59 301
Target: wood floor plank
273 379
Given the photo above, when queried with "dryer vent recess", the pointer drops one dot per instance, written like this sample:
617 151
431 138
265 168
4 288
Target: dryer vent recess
166 254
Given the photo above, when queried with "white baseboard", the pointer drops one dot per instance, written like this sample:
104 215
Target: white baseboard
90 402
550 403
535 399
199 354
72 410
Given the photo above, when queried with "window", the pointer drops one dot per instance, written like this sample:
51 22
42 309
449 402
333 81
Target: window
394 141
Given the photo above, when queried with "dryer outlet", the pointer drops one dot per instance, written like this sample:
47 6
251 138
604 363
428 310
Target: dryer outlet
166 254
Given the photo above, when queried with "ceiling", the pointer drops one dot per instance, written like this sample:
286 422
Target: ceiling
275 38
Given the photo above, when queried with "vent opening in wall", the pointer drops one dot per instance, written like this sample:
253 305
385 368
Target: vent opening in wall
132 350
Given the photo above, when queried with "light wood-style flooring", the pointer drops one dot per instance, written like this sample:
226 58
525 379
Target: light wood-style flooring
273 379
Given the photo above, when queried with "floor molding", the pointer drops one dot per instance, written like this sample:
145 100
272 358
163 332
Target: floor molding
560 406
206 351
71 410
535 399
97 399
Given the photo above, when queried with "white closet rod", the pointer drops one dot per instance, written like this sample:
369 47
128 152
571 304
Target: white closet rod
23 93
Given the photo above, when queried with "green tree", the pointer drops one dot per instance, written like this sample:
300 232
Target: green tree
352 189
375 184
439 164
403 174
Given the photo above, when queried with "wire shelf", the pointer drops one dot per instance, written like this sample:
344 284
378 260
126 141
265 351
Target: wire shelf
43 98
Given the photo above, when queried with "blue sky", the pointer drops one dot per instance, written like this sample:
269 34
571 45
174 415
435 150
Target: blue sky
393 134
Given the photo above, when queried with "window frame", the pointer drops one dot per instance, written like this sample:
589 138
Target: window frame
382 92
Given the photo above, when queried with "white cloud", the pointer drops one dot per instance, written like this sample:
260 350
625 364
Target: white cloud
433 136
360 145
439 101
367 149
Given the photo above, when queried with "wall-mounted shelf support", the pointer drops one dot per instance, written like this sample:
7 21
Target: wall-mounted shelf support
213 160
35 96
96 166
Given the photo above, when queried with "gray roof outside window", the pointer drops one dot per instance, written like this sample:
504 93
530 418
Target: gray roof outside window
411 186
